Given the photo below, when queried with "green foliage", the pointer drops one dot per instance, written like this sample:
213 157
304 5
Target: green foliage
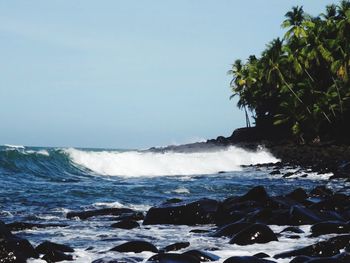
300 82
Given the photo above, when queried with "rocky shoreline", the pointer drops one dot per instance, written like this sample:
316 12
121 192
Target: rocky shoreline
243 220
322 157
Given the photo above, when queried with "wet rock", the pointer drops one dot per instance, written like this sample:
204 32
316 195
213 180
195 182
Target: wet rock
300 259
199 231
202 255
321 249
303 216
336 202
247 259
16 247
257 193
173 258
99 212
126 224
47 247
175 246
274 172
321 191
202 211
261 255
289 174
106 260
256 233
4 231
56 256
293 229
298 195
113 260
330 227
136 247
135 216
18 226
230 229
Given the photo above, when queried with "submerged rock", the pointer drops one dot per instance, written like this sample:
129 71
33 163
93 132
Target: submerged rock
136 247
99 212
256 233
126 224
17 226
175 246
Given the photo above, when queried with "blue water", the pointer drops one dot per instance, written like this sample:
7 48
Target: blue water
42 184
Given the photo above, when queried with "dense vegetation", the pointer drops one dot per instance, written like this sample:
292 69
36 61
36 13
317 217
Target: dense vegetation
300 84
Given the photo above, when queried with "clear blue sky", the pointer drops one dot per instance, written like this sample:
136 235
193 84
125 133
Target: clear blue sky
127 74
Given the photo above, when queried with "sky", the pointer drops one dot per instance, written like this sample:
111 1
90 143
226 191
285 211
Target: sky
127 74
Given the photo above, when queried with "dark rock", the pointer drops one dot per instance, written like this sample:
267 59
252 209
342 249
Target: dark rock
202 211
320 249
4 231
99 212
329 227
113 260
199 231
336 202
257 193
106 260
16 247
256 233
175 246
47 247
293 230
247 259
136 247
173 258
56 256
135 216
261 255
300 259
17 226
321 191
275 172
303 216
230 229
289 174
126 224
202 255
298 195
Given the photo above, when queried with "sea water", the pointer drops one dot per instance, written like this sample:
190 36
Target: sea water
40 185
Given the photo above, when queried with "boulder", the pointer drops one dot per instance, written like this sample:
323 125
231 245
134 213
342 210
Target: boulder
175 246
256 233
247 259
203 211
136 247
47 247
202 255
126 224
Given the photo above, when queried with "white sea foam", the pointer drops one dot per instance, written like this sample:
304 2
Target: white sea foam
136 163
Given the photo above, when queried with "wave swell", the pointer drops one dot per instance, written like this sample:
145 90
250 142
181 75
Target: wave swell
146 163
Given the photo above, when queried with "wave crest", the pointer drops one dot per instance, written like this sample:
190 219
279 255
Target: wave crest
146 163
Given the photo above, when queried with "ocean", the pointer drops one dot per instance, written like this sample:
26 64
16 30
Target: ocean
41 185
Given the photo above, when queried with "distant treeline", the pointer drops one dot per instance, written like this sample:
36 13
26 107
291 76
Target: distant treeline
300 84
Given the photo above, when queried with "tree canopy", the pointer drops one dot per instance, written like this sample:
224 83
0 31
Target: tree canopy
301 82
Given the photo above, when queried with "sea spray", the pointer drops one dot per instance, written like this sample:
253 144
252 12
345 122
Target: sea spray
147 163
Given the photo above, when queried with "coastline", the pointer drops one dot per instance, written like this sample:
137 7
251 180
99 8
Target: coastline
322 157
